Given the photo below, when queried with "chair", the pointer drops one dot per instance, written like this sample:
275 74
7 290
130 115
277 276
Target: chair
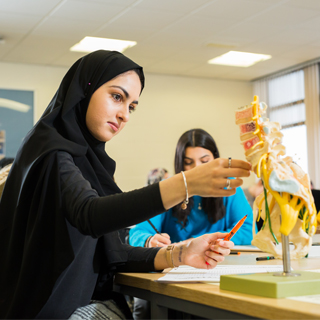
124 235
316 197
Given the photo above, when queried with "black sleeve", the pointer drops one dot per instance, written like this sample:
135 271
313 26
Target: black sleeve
139 259
94 215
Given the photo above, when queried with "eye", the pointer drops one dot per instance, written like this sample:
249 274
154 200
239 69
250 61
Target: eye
187 162
117 97
131 108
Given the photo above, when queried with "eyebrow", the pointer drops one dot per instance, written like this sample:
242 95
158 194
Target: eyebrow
206 155
125 93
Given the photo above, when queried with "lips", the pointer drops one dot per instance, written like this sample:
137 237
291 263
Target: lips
113 126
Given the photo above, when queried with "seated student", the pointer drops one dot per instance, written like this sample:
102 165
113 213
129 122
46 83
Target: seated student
156 175
253 191
61 208
203 214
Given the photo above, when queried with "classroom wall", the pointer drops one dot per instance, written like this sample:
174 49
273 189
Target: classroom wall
169 106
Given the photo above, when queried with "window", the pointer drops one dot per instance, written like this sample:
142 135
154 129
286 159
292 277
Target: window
286 95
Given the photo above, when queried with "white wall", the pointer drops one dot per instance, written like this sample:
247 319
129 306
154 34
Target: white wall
169 106
44 81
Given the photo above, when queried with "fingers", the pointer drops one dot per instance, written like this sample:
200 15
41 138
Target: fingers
236 172
224 193
217 244
216 257
238 168
160 240
212 238
218 251
235 163
163 237
233 183
226 244
223 247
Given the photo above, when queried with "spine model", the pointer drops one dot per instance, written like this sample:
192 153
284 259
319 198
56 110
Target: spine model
286 205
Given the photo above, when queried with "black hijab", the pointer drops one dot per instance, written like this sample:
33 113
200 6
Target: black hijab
32 228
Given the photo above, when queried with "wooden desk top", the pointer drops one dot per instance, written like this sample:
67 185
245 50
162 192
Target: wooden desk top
211 295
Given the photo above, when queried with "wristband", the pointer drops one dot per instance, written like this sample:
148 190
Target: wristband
185 202
169 256
147 242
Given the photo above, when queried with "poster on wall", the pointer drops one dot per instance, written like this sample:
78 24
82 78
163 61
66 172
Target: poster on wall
16 119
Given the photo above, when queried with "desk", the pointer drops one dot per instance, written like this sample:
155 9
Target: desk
208 301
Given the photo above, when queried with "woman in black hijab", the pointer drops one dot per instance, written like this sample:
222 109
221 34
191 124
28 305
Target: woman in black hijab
60 207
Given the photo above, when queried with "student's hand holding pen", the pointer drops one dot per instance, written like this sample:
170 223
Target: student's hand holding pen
213 247
203 252
159 240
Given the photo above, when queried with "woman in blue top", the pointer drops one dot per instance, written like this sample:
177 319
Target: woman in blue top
202 215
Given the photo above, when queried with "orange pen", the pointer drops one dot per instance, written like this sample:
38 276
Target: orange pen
235 228
232 232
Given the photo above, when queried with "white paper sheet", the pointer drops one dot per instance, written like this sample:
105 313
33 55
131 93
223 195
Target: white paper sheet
247 248
315 298
314 252
189 274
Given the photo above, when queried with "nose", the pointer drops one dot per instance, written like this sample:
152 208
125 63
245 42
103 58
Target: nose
194 164
197 163
124 114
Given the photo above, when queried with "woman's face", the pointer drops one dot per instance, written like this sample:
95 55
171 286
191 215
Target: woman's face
196 156
111 104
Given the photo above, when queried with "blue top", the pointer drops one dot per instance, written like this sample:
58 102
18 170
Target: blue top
198 224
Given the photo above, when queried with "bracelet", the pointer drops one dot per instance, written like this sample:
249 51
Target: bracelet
185 202
169 256
147 242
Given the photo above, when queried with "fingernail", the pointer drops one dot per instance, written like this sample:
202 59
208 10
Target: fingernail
207 263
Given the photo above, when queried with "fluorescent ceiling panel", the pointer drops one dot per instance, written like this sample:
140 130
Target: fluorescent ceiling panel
239 59
90 44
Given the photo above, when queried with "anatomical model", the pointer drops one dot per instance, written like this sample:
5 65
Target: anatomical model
289 209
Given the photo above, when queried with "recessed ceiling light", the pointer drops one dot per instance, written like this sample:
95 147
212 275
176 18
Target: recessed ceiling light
239 59
89 44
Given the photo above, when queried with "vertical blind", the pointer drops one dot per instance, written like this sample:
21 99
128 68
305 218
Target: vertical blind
286 99
293 101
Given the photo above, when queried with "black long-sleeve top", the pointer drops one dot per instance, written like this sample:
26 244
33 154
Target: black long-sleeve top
92 222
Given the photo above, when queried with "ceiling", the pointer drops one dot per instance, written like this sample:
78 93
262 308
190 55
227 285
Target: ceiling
175 37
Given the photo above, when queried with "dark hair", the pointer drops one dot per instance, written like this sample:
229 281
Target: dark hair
213 207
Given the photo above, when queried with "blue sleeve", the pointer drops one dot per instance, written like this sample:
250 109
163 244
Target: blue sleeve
139 234
237 207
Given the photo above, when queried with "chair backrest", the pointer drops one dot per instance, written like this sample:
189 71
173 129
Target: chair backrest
3 176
